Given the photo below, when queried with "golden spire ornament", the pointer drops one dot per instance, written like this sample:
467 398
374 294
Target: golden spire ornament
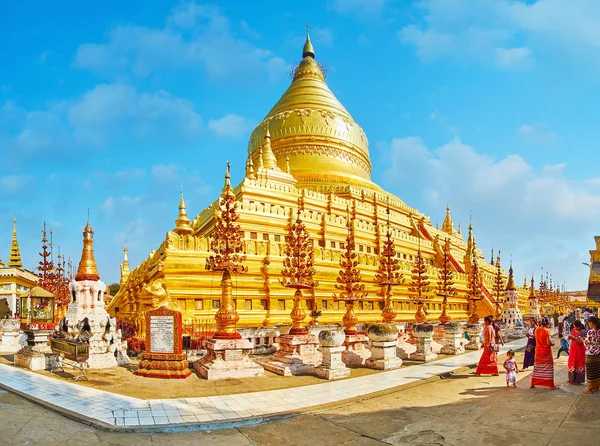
474 285
348 281
227 244
445 283
419 287
14 259
183 223
388 275
298 270
87 269
498 288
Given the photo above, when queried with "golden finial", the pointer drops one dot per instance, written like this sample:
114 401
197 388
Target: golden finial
270 162
183 224
447 225
510 285
287 165
87 265
125 265
308 50
250 174
14 260
261 164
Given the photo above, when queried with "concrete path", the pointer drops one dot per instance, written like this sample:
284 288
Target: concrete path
460 409
119 412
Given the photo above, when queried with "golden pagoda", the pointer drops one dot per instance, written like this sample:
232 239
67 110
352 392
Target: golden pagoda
307 153
14 259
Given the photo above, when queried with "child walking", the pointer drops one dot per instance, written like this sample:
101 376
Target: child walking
564 345
510 365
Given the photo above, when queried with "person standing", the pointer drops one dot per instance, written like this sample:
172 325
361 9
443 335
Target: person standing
592 355
564 346
488 364
510 365
576 362
530 347
543 366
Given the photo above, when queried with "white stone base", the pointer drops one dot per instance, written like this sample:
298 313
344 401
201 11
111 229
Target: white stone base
30 359
453 344
383 356
356 351
332 366
228 359
10 339
424 351
475 337
404 349
297 355
102 361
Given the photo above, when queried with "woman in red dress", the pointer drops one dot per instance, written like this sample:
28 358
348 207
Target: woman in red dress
488 364
576 363
543 366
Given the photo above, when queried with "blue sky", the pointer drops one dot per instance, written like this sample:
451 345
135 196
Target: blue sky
489 105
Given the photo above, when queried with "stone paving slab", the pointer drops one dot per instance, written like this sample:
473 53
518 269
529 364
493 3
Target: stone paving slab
123 413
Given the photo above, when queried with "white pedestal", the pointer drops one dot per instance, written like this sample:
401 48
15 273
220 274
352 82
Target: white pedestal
227 359
356 351
453 344
383 356
332 366
423 340
403 347
297 355
30 358
475 336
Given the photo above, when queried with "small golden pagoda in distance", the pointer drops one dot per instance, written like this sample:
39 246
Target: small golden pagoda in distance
307 154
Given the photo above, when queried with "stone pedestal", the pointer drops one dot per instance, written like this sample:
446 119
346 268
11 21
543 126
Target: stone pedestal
383 339
332 366
33 356
356 351
403 347
10 341
263 339
475 331
163 365
297 355
453 341
383 356
228 359
423 335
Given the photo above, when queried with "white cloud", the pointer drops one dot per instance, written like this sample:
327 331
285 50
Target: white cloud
536 133
554 168
514 58
486 29
109 106
230 126
359 8
15 185
212 45
531 214
165 172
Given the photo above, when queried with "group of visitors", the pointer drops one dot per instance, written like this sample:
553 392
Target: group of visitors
580 340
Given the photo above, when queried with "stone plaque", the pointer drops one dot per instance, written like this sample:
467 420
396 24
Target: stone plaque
162 336
163 331
234 355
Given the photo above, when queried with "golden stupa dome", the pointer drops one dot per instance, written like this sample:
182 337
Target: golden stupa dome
310 126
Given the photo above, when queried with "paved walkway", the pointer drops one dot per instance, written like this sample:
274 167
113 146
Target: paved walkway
118 412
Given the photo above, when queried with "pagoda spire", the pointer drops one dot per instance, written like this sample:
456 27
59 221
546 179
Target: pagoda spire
510 285
532 288
269 159
308 50
87 269
124 266
447 225
183 223
14 260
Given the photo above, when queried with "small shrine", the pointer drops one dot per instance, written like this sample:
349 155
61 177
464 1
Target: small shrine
86 319
512 317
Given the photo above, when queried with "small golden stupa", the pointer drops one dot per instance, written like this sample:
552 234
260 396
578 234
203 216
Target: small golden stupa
308 153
